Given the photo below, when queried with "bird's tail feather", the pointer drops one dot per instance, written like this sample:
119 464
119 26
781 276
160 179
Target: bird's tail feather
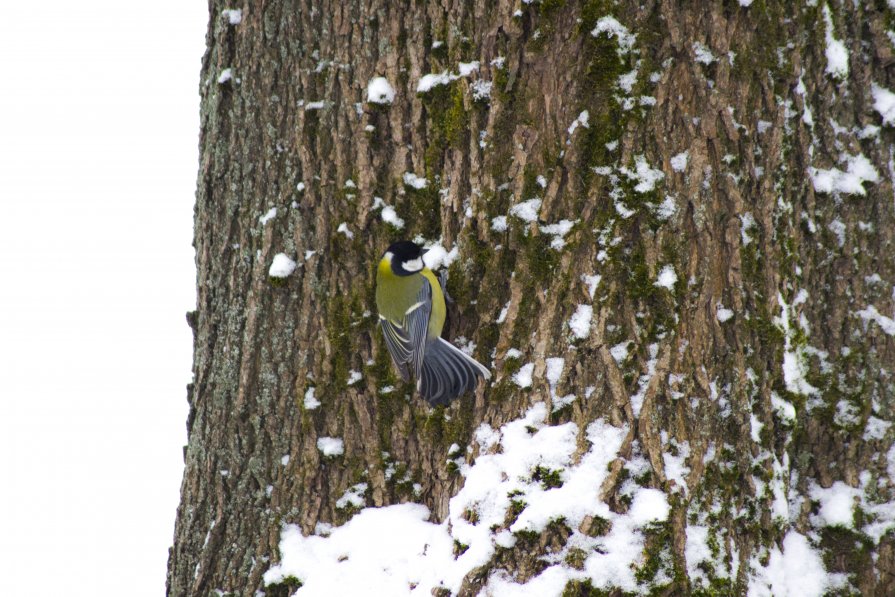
448 372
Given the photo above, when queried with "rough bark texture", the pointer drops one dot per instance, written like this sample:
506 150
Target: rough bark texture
749 231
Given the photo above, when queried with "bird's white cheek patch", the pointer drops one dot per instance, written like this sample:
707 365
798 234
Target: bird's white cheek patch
414 265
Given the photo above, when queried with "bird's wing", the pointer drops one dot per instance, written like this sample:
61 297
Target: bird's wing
406 340
416 321
398 345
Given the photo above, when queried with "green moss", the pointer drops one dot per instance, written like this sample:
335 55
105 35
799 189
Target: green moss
640 286
770 19
718 587
584 588
433 425
459 548
599 527
657 554
526 537
310 129
530 187
456 120
605 126
539 257
339 335
576 558
439 55
424 209
591 12
382 371
846 550
602 68
402 38
284 588
502 392
448 123
516 507
511 365
501 80
548 478
458 429
404 482
549 8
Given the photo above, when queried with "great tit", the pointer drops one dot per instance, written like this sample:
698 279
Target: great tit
411 313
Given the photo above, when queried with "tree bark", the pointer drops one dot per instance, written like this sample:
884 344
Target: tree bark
771 270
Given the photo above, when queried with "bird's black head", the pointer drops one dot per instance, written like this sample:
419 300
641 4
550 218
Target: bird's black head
406 257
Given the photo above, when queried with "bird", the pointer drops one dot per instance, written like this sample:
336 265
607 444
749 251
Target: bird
412 311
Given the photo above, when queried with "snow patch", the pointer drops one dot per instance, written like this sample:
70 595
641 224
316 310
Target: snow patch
281 267
432 80
581 121
666 209
436 256
795 571
580 321
722 313
311 401
353 496
703 54
499 223
368 555
851 182
837 54
380 91
871 314
395 551
414 181
645 176
331 446
884 103
271 214
233 15
390 216
679 162
837 504
481 90
619 352
555 365
527 210
523 376
612 28
876 428
464 69
343 228
503 313
558 231
795 366
591 282
667 278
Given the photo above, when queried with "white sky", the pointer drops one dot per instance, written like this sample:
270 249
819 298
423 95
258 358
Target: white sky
98 160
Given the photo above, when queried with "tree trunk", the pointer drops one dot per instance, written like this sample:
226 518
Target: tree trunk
733 245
